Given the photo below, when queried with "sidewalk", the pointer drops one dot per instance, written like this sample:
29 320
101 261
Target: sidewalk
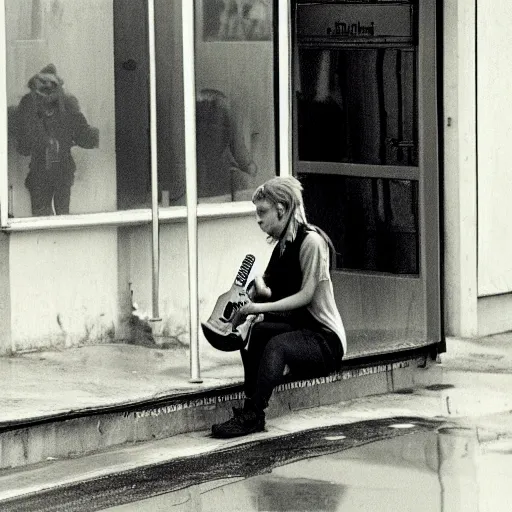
470 386
41 384
487 354
56 382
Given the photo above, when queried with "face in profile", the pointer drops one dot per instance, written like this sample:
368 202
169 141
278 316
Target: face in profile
269 219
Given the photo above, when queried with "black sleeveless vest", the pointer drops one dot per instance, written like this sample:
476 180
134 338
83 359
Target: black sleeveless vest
283 274
284 277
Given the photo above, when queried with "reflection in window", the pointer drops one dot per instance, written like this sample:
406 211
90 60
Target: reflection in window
78 96
373 222
131 90
132 99
235 98
358 106
48 123
100 53
222 156
61 107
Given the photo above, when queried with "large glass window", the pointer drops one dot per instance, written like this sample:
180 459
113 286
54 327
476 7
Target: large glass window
358 106
78 95
79 103
60 85
373 222
234 59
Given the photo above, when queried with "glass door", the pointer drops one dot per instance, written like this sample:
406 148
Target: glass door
365 149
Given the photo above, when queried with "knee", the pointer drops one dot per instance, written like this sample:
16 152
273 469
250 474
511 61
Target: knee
276 347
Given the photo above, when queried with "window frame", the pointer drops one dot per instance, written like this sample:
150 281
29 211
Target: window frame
169 214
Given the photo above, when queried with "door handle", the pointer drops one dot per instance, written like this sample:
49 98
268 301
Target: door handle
395 143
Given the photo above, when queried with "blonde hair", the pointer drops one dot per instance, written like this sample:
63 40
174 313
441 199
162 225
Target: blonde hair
284 190
287 190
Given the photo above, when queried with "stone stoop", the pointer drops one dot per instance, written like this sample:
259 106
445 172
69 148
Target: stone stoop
88 431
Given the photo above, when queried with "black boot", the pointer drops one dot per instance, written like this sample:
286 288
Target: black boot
246 421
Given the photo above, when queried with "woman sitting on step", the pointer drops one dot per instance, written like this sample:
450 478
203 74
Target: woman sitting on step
302 328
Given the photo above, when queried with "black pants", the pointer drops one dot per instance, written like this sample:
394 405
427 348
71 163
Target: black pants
50 185
41 198
308 352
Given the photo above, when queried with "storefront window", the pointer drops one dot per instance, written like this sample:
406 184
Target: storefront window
373 222
236 148
358 106
78 96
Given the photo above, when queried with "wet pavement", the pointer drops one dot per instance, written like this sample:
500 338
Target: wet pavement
246 460
57 382
48 383
393 464
461 437
418 468
45 383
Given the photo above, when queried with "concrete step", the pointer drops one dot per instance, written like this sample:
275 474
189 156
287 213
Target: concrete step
85 431
58 483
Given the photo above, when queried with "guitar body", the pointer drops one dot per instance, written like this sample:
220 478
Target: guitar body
218 329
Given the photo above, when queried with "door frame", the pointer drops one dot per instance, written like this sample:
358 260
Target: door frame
427 173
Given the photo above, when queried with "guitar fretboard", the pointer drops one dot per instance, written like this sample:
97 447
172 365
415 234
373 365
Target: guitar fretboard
245 270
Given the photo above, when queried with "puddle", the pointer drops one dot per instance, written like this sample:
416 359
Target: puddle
440 470
439 387
407 391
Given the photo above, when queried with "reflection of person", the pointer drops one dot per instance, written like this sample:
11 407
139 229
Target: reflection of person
221 152
229 20
301 327
256 20
49 124
244 20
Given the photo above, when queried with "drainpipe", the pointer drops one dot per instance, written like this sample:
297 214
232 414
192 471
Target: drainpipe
189 88
154 165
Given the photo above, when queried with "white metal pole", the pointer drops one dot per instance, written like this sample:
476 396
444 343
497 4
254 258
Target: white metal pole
189 88
4 181
284 53
154 164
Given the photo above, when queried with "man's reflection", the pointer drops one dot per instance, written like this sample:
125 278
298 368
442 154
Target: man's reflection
221 152
48 124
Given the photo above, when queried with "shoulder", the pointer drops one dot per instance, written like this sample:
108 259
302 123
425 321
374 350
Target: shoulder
314 246
313 239
71 103
26 97
314 256
26 102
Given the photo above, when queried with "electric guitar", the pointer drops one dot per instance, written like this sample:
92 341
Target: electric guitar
218 329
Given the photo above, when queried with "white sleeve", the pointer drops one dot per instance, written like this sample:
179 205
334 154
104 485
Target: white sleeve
314 259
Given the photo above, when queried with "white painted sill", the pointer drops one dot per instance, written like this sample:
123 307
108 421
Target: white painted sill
166 215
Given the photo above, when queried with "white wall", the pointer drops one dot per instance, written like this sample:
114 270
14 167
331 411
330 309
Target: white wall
72 287
63 287
5 296
459 152
494 122
477 174
223 244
